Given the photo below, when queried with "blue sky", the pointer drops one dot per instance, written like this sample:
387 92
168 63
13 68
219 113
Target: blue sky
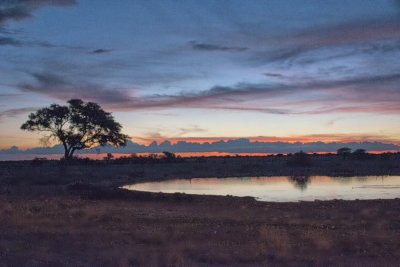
182 69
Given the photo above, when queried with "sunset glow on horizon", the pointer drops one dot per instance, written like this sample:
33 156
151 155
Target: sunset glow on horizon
270 139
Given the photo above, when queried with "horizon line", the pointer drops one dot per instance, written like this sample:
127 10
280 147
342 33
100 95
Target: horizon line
173 142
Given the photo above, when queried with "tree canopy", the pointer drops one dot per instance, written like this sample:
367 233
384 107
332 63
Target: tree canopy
343 151
77 126
360 151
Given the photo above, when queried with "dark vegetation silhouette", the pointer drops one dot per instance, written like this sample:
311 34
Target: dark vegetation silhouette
300 181
360 153
288 161
135 168
344 152
77 126
109 156
169 156
299 159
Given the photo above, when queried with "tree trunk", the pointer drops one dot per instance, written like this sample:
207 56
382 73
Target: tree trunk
67 153
66 150
71 153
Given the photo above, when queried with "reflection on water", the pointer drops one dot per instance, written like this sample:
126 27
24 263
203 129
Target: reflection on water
300 181
283 188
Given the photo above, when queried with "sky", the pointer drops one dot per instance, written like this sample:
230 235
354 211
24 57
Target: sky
206 70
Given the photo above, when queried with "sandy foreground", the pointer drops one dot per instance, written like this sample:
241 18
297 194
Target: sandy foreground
84 225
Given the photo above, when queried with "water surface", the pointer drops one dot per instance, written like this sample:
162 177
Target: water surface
283 188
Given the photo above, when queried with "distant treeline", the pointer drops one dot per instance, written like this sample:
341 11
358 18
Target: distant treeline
300 158
231 146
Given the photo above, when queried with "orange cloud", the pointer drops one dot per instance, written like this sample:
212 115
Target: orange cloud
326 138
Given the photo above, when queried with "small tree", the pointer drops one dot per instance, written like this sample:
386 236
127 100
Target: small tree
77 126
169 155
299 159
109 157
360 153
344 152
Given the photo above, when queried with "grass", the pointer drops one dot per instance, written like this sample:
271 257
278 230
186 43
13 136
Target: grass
53 214
114 172
128 230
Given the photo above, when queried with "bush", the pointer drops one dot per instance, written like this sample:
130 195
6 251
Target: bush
299 159
38 161
360 153
344 152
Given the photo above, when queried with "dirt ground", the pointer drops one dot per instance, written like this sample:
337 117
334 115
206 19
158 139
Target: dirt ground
111 227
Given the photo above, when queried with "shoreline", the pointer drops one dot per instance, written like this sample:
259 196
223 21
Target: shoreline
128 171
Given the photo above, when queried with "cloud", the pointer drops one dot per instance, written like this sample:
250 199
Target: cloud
226 144
356 94
351 95
15 112
213 47
9 41
378 35
330 123
9 96
13 39
213 98
101 51
310 138
61 88
273 75
191 130
14 10
352 32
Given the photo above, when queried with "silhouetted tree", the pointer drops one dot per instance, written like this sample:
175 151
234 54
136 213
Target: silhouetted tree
360 153
299 159
77 126
344 152
109 157
169 155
